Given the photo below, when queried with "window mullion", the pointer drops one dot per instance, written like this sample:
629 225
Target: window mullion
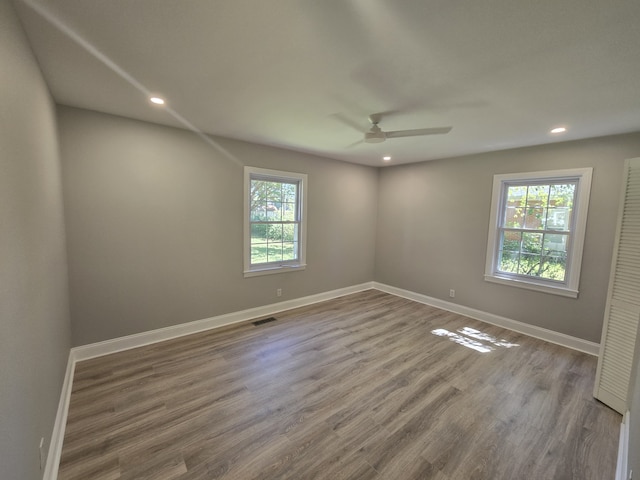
533 230
274 213
533 244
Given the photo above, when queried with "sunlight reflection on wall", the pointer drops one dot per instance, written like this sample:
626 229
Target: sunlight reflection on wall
474 339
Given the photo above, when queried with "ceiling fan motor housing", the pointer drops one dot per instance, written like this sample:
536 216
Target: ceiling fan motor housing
374 137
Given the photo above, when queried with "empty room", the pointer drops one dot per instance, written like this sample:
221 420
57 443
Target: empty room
319 240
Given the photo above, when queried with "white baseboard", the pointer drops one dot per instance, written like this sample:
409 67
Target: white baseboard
92 350
146 338
85 352
531 330
57 436
623 449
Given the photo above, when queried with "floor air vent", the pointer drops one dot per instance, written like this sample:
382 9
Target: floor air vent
264 320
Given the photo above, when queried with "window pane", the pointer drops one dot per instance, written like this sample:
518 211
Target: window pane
562 195
538 194
271 196
559 218
289 192
511 241
274 192
554 260
554 267
288 251
513 216
532 242
258 233
561 202
289 212
508 261
288 233
537 199
274 252
258 201
273 213
535 216
274 232
296 234
555 244
258 213
259 253
529 264
514 212
292 241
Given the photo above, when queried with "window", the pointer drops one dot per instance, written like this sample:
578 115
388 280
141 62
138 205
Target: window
536 230
274 238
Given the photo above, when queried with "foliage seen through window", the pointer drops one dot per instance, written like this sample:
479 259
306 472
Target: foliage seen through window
274 221
536 230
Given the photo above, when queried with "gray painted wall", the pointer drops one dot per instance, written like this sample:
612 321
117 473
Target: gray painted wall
34 316
433 223
154 225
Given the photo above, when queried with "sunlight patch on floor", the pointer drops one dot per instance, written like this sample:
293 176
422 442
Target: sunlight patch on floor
474 339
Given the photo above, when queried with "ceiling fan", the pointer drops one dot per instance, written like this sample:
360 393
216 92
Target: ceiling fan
377 135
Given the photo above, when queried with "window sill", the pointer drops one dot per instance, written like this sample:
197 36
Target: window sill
272 269
530 285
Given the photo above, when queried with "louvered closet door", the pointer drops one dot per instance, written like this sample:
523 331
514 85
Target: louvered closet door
623 301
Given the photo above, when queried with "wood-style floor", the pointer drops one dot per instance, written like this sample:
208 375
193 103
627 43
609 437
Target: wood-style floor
354 388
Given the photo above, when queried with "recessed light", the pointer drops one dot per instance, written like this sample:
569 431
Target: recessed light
559 130
386 158
157 100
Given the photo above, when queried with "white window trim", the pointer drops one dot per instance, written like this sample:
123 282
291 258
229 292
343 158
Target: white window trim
256 270
569 288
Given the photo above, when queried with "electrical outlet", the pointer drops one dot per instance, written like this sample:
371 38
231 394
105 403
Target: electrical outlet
42 453
452 293
278 292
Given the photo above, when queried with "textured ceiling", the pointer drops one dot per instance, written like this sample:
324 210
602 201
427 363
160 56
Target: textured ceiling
305 74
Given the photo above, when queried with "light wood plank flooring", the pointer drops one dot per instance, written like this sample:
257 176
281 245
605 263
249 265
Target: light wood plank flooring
354 388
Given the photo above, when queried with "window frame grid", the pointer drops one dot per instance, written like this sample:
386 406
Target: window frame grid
575 242
567 233
543 232
299 239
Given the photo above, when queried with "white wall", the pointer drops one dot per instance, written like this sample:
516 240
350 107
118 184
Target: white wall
154 225
34 317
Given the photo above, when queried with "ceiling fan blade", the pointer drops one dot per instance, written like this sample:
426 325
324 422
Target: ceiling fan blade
418 132
347 121
354 144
